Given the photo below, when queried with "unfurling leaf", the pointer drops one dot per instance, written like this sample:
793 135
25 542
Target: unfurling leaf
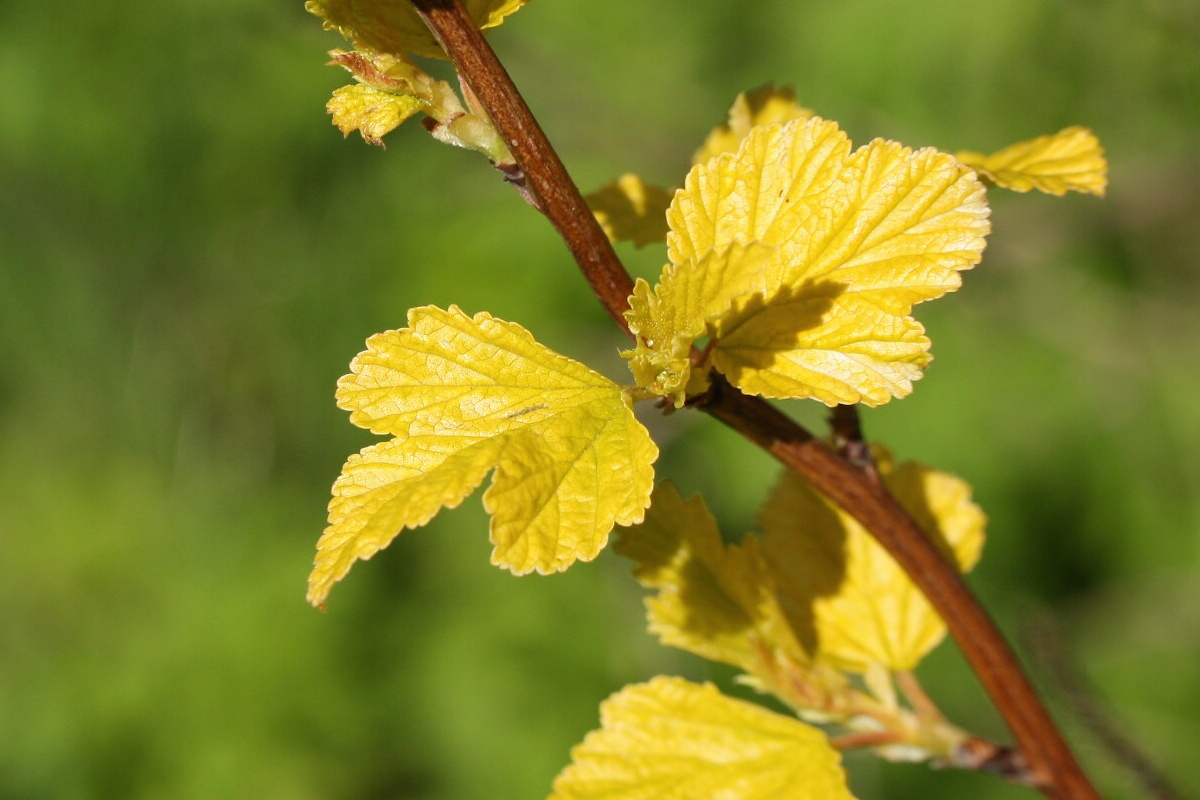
463 395
851 603
392 88
389 90
631 210
801 261
392 26
761 106
1070 160
674 740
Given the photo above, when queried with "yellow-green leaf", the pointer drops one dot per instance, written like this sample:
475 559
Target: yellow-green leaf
392 26
371 112
852 605
1070 160
712 600
761 106
462 395
820 255
631 210
674 740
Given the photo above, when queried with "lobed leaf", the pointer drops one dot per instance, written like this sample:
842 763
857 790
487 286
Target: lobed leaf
802 261
1070 160
674 740
851 604
463 395
392 26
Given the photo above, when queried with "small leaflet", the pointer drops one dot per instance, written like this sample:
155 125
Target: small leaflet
848 600
1070 160
390 89
631 210
371 112
392 26
819 254
674 740
463 396
761 106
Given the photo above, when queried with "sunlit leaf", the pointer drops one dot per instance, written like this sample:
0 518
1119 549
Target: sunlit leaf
761 106
1070 160
712 600
851 604
674 740
631 210
802 260
392 26
462 395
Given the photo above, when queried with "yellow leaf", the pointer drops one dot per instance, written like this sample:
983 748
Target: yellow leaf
392 26
850 603
712 600
674 740
1070 160
631 210
667 320
761 106
371 112
462 395
821 254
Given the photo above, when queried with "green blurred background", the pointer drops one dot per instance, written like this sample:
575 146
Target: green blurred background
190 255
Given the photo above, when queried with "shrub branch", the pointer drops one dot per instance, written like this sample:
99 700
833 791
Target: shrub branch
1051 766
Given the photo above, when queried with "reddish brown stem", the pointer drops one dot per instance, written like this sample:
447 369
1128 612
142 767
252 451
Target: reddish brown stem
854 741
1053 768
545 176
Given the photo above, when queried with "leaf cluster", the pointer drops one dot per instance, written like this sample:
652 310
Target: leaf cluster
794 262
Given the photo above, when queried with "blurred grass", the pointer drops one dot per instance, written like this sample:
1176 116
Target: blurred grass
190 255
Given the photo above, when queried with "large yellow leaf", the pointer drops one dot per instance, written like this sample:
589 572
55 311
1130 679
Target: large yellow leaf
761 106
1070 160
462 395
674 740
821 255
712 600
392 26
850 603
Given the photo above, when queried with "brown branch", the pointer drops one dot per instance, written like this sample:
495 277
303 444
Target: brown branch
1053 768
545 176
